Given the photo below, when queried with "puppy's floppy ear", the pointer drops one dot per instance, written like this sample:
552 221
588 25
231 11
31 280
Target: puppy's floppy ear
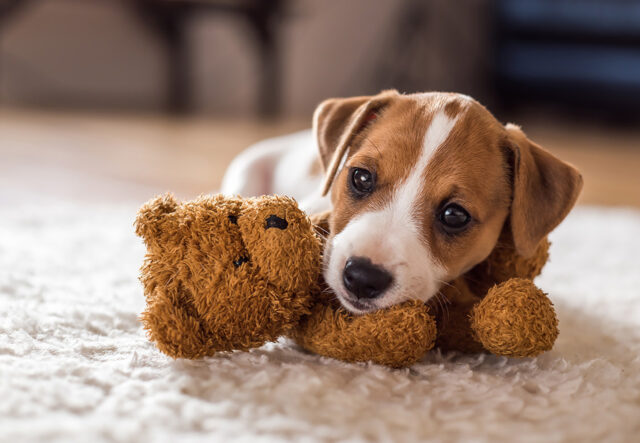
544 191
336 122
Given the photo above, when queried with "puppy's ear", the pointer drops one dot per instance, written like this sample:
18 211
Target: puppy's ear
544 191
337 121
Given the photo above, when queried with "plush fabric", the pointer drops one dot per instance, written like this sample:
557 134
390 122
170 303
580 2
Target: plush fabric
217 275
397 337
515 319
75 364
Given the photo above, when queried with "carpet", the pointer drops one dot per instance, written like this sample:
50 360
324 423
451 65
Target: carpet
75 364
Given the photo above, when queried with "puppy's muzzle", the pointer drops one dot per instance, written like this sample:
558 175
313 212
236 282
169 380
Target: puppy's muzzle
365 280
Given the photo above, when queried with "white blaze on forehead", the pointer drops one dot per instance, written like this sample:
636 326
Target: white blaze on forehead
407 193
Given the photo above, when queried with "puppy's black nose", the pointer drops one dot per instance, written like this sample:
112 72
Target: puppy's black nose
364 279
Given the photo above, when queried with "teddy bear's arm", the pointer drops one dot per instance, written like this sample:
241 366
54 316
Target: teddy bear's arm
396 336
174 329
515 319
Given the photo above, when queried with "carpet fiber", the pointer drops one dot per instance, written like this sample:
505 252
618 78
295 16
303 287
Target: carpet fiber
75 364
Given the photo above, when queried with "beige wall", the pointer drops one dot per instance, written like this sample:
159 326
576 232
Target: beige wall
79 52
95 53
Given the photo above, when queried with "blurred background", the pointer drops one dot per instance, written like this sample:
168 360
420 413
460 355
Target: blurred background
117 100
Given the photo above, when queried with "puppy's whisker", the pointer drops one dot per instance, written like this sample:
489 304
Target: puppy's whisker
444 297
450 285
442 306
442 282
326 289
445 302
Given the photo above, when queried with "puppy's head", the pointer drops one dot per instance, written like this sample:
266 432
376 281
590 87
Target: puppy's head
421 187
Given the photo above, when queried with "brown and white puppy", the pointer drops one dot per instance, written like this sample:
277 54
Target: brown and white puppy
420 188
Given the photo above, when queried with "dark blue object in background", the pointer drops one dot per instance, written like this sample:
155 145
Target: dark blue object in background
578 53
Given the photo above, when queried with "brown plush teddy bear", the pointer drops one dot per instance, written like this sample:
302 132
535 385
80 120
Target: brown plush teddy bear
225 274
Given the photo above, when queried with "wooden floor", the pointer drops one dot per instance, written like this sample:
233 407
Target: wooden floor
116 157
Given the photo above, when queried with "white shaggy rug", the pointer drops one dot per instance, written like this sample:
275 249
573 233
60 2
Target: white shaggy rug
75 364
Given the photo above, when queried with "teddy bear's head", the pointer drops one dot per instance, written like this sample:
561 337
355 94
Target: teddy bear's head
259 256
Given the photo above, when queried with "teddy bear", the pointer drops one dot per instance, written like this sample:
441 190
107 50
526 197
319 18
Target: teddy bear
231 274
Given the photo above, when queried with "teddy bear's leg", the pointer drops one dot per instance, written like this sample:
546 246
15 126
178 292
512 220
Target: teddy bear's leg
396 336
175 328
515 319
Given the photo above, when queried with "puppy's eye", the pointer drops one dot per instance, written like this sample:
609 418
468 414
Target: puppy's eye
362 181
454 218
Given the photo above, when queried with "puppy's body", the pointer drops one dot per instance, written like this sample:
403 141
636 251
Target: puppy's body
421 187
287 165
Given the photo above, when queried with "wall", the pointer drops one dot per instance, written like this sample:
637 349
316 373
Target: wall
96 54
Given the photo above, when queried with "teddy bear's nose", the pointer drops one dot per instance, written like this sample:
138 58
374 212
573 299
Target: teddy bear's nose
273 221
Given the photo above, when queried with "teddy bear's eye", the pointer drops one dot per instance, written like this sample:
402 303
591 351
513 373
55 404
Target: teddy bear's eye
233 219
240 261
273 221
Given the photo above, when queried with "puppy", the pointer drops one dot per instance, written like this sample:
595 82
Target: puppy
419 187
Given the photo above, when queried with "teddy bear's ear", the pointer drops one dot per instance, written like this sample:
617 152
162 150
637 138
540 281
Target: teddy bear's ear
152 214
